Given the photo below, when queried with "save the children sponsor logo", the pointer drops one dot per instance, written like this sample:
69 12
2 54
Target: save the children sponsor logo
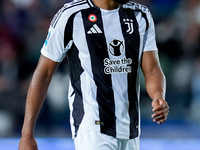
116 47
117 64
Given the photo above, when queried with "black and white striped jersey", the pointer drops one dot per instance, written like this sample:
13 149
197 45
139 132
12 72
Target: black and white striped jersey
104 49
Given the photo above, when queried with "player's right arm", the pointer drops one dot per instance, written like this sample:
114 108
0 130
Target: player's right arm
35 98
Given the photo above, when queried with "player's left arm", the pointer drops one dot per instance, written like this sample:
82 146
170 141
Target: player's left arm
155 85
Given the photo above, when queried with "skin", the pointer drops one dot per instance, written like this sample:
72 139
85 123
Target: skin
154 78
35 98
155 85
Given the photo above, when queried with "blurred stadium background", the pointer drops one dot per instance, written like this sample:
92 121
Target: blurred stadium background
23 29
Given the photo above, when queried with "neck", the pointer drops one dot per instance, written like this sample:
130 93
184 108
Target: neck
106 4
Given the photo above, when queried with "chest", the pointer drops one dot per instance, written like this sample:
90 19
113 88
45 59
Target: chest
115 34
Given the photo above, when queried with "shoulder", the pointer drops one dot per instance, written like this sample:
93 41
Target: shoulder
136 7
78 4
74 6
142 10
68 10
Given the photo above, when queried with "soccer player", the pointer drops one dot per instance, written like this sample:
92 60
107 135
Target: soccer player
106 42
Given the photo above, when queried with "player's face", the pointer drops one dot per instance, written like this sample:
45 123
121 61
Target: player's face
121 1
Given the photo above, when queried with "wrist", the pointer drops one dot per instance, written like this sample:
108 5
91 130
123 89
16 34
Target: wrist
27 133
158 99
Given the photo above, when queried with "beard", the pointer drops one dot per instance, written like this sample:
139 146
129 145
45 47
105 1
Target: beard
121 1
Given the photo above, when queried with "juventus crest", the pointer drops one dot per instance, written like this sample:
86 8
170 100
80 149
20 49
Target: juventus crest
129 23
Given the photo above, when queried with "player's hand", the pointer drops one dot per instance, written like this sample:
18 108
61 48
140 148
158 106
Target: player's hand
161 110
27 143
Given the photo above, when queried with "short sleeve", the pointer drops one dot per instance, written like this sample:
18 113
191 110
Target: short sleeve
149 37
53 47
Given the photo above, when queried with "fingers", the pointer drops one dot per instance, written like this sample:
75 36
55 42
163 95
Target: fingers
160 116
161 111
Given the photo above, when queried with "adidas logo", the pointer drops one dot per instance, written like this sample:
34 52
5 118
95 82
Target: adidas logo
94 29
